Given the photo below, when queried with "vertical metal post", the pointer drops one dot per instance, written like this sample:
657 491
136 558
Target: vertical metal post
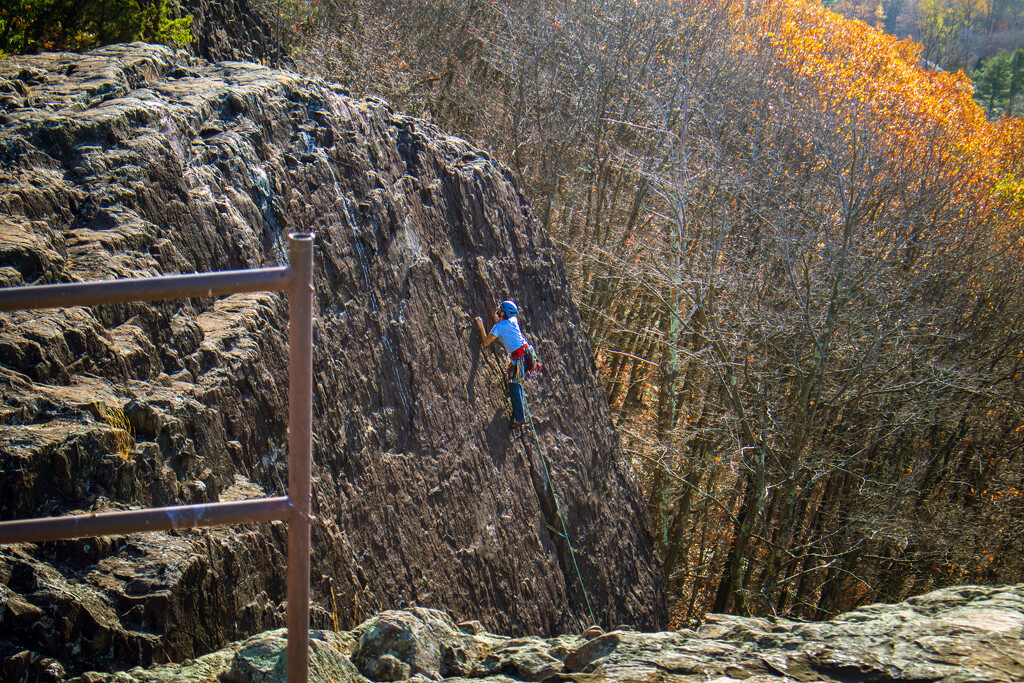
300 446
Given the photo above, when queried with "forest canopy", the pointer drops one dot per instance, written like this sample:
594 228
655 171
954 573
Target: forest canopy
797 250
985 39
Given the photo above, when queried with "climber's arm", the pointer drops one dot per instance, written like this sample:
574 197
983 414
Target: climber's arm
485 339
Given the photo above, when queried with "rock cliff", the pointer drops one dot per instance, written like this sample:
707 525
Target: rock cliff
968 634
231 30
135 160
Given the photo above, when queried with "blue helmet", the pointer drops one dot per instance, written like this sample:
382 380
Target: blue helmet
508 308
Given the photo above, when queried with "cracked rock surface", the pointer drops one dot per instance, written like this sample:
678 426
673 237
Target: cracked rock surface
135 160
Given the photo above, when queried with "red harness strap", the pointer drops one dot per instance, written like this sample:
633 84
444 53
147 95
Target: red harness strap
520 352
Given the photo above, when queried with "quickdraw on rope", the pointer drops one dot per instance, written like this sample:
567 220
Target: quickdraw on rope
564 533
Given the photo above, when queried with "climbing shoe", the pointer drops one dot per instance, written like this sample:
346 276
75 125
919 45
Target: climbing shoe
517 424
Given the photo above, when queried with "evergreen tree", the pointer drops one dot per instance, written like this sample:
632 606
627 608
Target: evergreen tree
992 83
1016 80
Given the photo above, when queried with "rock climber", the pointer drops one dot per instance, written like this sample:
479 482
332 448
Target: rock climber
506 328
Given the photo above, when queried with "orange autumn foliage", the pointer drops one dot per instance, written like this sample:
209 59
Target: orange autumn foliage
1009 184
924 123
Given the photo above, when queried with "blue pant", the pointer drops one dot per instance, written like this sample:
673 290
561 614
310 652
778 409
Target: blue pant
518 401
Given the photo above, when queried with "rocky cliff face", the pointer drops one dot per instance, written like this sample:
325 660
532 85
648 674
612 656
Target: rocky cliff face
967 634
134 161
231 30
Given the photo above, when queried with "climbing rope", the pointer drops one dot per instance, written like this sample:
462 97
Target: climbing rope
564 533
558 508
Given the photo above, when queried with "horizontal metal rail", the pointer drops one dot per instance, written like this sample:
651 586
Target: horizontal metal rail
150 519
297 280
145 289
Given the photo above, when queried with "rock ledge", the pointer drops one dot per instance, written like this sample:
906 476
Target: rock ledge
967 634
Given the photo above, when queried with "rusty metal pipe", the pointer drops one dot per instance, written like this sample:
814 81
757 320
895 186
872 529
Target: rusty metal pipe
297 280
300 450
144 289
150 519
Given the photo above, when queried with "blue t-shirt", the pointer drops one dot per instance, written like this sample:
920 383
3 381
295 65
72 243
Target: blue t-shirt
508 332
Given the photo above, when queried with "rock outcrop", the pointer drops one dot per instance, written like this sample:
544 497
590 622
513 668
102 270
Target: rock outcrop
232 30
968 634
135 161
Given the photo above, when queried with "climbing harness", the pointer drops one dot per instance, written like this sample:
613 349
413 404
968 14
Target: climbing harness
523 364
558 511
516 370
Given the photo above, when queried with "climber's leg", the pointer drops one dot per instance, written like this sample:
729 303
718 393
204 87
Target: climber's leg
515 397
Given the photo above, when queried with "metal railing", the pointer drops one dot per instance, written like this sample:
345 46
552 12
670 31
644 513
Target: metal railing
297 279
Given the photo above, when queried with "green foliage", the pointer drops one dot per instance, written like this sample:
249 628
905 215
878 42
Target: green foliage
171 31
999 82
28 26
992 82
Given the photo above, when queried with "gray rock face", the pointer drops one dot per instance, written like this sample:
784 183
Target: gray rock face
231 30
134 161
967 634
